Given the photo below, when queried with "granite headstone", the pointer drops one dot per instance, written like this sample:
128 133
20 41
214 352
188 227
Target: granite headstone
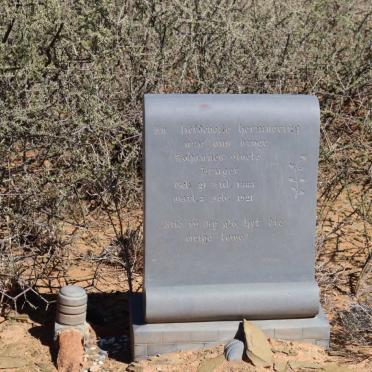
230 208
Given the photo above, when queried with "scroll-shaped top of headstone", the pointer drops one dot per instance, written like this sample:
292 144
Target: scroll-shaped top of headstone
230 206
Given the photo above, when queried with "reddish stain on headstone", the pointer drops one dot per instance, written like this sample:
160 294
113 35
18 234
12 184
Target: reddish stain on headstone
204 106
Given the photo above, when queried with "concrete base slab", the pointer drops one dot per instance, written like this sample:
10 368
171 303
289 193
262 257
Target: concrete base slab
151 339
82 328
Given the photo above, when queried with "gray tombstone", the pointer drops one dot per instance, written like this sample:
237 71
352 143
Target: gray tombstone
230 209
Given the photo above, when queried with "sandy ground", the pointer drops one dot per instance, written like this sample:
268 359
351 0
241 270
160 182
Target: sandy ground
29 339
26 340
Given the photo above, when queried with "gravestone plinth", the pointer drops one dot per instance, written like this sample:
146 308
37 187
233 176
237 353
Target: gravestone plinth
230 209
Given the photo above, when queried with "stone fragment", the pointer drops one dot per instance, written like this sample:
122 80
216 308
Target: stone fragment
10 350
9 362
92 336
335 367
281 366
134 368
299 365
285 349
22 318
234 350
45 367
103 353
210 365
258 347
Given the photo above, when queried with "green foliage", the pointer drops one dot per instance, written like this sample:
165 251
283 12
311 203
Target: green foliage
73 75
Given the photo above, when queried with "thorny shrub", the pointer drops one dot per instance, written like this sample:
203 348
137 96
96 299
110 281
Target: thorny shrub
73 76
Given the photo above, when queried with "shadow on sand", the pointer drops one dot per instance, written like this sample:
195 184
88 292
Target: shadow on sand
108 314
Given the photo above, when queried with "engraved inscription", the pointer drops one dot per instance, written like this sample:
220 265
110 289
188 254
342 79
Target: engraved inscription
194 144
205 130
223 167
245 185
220 171
244 198
297 176
253 143
272 129
196 158
222 184
203 232
160 131
221 144
246 157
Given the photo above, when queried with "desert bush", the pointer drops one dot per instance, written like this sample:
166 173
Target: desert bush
357 322
73 76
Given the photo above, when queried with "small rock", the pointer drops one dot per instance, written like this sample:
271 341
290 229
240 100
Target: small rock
10 350
9 362
90 352
234 350
103 353
258 348
45 367
210 365
285 349
132 368
280 366
94 369
298 364
335 367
